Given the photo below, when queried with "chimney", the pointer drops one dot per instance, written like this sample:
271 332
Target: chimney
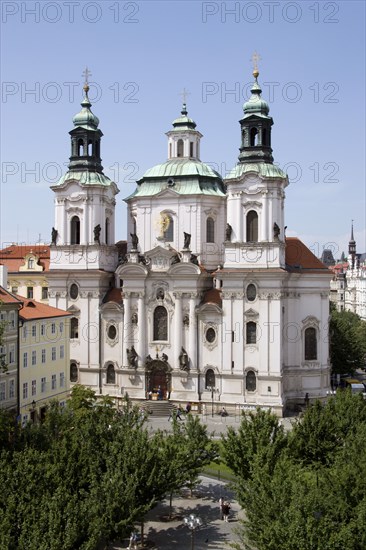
3 276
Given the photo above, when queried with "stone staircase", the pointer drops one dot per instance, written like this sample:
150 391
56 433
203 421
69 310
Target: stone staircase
158 408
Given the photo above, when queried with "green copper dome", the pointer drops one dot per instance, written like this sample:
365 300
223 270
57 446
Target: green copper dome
86 119
256 105
263 169
181 167
184 122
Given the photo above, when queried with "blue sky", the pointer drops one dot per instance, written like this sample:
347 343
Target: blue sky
141 55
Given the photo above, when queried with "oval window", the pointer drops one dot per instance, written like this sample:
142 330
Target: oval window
112 332
210 335
251 293
74 291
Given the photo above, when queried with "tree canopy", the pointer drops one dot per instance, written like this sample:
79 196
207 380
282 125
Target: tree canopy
347 341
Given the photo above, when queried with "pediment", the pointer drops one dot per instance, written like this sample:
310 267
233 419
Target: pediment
168 192
131 270
251 313
186 268
74 310
160 251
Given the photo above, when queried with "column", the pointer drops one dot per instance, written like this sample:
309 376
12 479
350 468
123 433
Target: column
227 331
192 335
239 214
126 326
264 231
141 319
178 327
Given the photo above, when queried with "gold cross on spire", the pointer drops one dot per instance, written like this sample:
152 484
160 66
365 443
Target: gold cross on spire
184 95
254 59
86 74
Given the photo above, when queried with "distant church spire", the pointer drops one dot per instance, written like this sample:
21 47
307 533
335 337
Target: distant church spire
352 246
256 124
86 137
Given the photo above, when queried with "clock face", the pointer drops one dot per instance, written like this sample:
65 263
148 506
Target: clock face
74 291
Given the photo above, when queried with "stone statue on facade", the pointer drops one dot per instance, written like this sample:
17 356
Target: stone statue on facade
148 360
187 240
183 360
54 236
164 357
276 231
194 259
132 357
97 230
228 232
134 240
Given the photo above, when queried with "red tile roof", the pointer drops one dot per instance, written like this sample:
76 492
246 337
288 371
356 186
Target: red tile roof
36 310
8 298
13 256
299 257
114 295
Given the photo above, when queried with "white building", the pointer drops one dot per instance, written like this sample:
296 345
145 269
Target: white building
211 300
355 293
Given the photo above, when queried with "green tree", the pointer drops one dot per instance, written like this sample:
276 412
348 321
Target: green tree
347 341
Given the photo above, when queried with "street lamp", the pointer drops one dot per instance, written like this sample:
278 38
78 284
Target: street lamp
193 523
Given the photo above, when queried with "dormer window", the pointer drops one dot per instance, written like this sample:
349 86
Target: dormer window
30 263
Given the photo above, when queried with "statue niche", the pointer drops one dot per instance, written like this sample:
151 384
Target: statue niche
184 360
132 357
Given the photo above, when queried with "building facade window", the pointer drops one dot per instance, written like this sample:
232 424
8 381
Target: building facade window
111 374
34 331
53 382
210 230
25 332
62 352
34 357
75 230
43 384
30 263
12 319
2 391
61 327
62 379
160 323
74 328
44 292
210 335
43 329
25 359
210 379
250 381
252 226
14 290
311 352
43 356
74 291
251 332
11 389
12 354
251 292
53 328
73 372
25 390
34 387
53 354
112 332
29 292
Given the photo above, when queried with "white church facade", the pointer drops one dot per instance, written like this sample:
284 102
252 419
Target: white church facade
210 300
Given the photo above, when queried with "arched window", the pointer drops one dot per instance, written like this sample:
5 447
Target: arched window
73 372
251 336
180 148
253 137
90 148
74 328
169 231
210 379
311 352
191 149
250 381
160 323
111 374
243 138
80 147
75 230
252 226
107 227
264 136
210 230
97 148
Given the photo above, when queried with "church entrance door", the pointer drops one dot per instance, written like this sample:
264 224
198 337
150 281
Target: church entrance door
158 380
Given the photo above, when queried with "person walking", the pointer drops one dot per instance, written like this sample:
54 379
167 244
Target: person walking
133 542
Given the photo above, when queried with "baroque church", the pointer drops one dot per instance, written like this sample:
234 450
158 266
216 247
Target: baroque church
210 303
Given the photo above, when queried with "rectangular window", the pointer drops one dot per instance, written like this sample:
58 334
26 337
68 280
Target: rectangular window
34 387
62 352
25 332
14 290
62 379
2 316
2 391
53 354
43 384
34 357
53 328
44 293
29 292
11 389
12 354
43 356
12 319
25 359
53 382
34 331
43 329
3 354
61 327
25 390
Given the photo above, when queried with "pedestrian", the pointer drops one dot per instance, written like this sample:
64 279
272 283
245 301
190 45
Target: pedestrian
223 412
221 503
179 412
225 510
133 542
188 408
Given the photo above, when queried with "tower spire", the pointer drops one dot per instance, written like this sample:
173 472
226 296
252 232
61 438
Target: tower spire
256 124
352 247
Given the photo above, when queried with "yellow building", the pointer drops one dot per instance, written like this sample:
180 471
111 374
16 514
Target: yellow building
27 270
44 358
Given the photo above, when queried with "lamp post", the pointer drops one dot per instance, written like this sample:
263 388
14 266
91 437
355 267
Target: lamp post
193 523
